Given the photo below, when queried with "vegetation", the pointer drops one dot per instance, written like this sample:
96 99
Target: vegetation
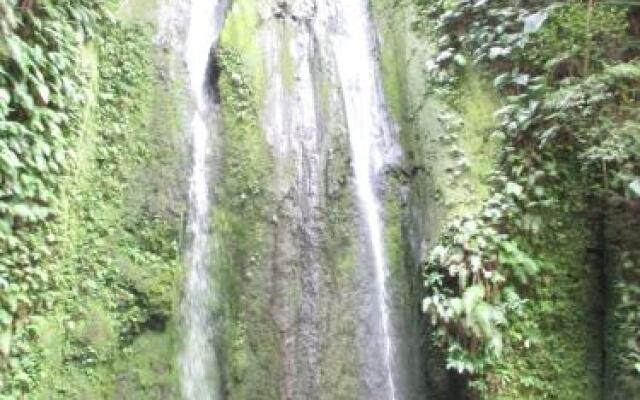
41 89
241 220
78 137
527 173
567 79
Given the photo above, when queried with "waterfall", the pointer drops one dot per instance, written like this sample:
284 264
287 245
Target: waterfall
293 131
198 357
290 123
368 128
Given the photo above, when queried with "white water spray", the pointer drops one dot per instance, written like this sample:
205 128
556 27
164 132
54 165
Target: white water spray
355 56
198 358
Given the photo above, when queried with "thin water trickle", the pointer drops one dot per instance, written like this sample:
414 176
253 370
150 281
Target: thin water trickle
198 357
355 56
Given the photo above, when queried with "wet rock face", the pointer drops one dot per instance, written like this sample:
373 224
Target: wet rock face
213 75
294 129
294 10
304 120
315 300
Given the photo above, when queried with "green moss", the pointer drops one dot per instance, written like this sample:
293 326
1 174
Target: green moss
148 370
324 91
96 329
118 236
136 10
478 106
465 154
552 349
240 33
395 242
340 363
287 63
452 146
392 27
622 355
240 219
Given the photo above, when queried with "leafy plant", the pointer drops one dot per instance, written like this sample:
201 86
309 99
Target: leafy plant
40 98
568 124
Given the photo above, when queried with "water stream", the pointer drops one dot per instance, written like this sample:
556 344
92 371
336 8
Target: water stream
368 127
198 357
294 133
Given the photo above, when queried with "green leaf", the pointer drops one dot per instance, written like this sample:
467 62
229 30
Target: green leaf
471 297
5 318
634 186
5 229
17 53
460 60
24 99
9 161
11 302
456 306
10 158
496 52
534 22
5 338
43 93
514 189
5 97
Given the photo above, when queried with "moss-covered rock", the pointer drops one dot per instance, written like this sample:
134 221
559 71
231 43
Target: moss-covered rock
240 217
119 237
561 320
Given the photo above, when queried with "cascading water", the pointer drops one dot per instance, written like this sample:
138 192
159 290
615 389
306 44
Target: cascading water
198 357
295 132
368 127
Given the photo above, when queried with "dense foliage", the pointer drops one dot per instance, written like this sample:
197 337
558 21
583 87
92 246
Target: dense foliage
120 235
569 127
90 244
41 89
90 255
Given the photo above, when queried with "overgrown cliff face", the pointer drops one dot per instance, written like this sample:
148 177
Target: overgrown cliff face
124 224
108 328
516 269
296 278
622 339
443 175
292 279
510 218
